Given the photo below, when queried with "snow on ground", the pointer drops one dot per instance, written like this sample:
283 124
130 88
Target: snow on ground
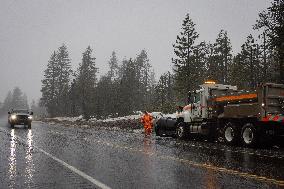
130 117
173 115
156 115
127 122
71 119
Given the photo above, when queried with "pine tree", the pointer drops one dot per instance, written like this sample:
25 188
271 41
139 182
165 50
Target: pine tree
105 105
200 52
113 67
49 87
272 21
55 85
64 68
164 94
250 54
223 55
111 86
212 68
127 88
143 73
73 98
186 72
86 83
238 75
19 100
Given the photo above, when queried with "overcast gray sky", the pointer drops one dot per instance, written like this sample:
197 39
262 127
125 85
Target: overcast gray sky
30 30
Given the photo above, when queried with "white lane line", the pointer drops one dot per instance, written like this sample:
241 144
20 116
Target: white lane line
82 174
73 169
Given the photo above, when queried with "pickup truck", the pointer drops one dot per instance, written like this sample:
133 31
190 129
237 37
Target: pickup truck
20 117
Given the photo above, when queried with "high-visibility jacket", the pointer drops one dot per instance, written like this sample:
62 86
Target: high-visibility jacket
147 119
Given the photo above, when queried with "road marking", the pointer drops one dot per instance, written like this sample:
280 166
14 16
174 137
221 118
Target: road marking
199 165
82 174
63 163
211 148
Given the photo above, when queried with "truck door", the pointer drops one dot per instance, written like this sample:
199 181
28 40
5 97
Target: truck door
196 110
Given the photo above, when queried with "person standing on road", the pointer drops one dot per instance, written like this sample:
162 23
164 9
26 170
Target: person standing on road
147 120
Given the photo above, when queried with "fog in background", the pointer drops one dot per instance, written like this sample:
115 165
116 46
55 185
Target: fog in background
31 30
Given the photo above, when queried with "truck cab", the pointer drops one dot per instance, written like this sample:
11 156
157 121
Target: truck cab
198 107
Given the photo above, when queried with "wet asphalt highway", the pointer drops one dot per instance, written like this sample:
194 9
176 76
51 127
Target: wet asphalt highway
56 156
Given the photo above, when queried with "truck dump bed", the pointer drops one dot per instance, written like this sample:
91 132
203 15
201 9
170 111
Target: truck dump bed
266 101
274 99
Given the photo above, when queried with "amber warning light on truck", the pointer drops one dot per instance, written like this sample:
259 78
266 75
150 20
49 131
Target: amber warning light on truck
210 82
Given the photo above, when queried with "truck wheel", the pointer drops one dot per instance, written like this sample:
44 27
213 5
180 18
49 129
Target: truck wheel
230 133
181 132
249 135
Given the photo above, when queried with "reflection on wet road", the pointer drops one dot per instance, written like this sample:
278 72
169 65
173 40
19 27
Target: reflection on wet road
54 156
12 160
29 171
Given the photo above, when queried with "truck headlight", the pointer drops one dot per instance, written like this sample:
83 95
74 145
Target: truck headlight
30 117
13 117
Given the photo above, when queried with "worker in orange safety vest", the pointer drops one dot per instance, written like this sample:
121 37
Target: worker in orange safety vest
147 121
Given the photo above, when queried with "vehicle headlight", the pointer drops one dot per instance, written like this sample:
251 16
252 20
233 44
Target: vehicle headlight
13 116
30 117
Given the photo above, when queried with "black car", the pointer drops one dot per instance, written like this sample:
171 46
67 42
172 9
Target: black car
20 117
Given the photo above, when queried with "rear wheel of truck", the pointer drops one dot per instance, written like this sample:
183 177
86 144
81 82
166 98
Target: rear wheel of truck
181 132
230 133
249 135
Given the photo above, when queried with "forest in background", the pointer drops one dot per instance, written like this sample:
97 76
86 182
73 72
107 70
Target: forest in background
130 85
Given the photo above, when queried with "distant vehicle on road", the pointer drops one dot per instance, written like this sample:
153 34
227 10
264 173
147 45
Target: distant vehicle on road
20 117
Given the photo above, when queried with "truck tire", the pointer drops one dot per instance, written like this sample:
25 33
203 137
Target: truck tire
249 135
231 134
181 131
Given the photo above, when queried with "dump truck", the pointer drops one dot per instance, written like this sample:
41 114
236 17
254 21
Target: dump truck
217 111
